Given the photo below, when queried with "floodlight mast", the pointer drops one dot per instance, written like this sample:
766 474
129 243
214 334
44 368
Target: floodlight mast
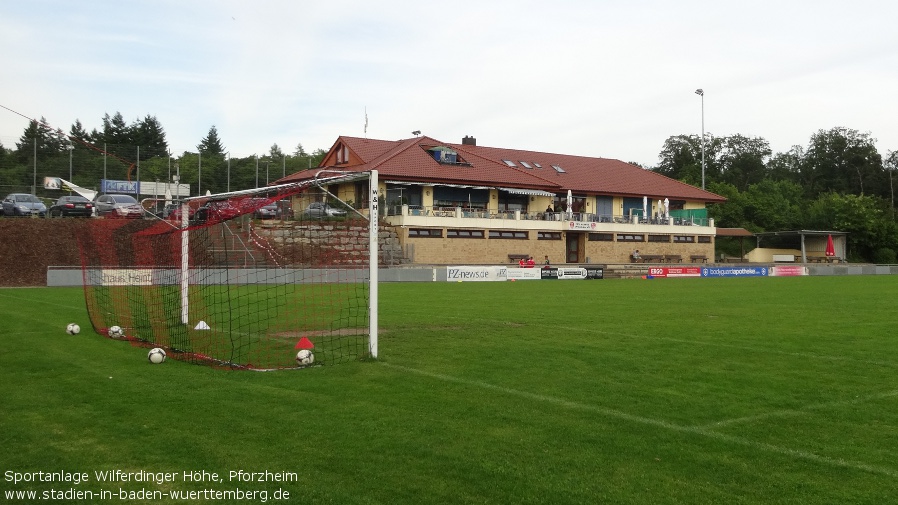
700 92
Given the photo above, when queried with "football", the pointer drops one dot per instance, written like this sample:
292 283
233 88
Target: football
116 332
305 357
156 355
72 329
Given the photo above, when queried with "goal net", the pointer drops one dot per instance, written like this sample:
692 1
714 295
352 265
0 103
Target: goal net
242 280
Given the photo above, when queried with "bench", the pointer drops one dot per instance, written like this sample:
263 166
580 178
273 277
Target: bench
673 258
652 258
698 258
514 258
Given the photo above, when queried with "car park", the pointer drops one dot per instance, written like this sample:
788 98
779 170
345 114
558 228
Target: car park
322 210
72 206
118 206
22 205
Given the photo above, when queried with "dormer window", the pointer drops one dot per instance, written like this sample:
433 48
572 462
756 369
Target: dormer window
342 154
444 155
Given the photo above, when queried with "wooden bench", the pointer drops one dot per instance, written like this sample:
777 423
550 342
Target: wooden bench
652 258
673 258
514 258
698 258
816 259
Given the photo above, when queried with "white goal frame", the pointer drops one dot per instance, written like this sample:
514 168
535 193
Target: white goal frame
373 232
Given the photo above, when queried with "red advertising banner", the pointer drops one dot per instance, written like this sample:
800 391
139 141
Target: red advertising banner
675 271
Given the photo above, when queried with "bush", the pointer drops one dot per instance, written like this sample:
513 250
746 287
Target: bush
884 256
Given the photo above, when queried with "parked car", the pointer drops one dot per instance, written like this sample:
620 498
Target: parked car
172 212
321 210
73 205
269 211
23 204
215 211
118 206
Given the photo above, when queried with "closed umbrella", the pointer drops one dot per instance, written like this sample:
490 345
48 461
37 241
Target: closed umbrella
830 247
570 205
645 207
666 208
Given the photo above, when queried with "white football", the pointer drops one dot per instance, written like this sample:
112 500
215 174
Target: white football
156 355
305 357
116 332
72 329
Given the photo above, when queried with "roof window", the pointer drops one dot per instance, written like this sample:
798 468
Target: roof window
558 169
509 163
525 165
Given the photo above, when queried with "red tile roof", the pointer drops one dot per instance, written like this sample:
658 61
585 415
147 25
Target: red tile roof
410 160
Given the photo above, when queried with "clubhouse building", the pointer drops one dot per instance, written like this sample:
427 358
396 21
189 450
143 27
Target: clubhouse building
469 204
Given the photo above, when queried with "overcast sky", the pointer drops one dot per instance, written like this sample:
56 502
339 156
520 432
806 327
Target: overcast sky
593 78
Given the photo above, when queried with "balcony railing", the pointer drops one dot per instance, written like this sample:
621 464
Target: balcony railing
588 217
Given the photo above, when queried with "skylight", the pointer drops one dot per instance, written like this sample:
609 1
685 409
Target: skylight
509 163
537 165
558 169
525 164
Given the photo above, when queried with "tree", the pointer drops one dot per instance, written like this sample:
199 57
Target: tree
211 144
786 166
869 227
844 161
77 132
148 134
299 151
891 165
742 160
681 158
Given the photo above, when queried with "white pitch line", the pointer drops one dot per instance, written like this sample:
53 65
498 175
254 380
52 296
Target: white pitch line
800 411
695 430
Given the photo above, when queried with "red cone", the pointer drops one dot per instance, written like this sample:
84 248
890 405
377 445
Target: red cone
304 343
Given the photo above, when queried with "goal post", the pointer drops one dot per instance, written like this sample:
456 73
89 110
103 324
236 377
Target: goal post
243 279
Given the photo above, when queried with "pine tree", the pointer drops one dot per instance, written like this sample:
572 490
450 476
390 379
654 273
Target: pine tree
211 144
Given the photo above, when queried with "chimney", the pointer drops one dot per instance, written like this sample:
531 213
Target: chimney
468 141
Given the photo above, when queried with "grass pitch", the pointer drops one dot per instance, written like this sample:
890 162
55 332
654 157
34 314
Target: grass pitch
761 390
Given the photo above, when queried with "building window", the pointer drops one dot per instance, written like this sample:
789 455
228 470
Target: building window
659 238
548 235
525 164
425 232
537 165
684 239
601 237
509 234
630 237
509 163
704 239
464 234
558 169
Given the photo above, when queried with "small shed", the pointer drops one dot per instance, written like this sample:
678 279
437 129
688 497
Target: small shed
736 232
812 243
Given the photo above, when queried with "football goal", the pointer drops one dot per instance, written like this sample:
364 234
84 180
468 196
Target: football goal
245 279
